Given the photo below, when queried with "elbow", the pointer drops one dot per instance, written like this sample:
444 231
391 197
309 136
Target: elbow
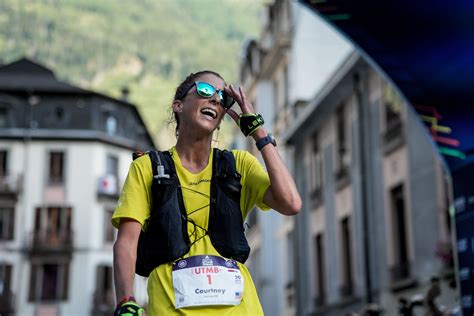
294 207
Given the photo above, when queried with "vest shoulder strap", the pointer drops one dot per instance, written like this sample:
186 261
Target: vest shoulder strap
224 163
162 164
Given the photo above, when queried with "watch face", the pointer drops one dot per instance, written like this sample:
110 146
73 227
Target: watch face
272 139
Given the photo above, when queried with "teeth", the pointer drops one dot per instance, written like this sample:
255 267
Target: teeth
209 112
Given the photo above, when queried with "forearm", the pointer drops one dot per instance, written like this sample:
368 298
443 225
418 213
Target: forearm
124 268
282 195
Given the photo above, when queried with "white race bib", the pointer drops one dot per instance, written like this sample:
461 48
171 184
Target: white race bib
207 280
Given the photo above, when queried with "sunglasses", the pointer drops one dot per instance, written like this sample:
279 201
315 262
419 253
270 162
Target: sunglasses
206 90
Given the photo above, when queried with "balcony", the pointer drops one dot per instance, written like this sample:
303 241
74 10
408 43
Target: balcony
7 303
11 184
48 241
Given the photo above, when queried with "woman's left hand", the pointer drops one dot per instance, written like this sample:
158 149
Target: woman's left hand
240 97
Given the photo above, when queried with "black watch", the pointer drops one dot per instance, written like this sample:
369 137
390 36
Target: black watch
262 142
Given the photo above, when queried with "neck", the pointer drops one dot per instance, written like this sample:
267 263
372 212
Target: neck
194 152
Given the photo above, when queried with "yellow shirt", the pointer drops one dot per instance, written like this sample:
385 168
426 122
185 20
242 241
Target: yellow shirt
134 202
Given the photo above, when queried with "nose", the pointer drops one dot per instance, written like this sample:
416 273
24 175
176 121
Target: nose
215 99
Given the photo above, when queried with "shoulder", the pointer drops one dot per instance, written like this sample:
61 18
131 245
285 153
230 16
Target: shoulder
245 161
242 155
143 161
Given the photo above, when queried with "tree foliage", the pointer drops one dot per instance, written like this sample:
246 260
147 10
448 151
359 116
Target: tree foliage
147 45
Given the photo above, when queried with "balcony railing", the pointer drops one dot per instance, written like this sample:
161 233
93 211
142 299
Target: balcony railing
7 303
47 240
11 183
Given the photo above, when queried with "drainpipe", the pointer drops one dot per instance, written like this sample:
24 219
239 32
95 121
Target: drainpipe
363 134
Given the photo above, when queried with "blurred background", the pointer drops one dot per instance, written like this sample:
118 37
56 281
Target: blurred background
85 83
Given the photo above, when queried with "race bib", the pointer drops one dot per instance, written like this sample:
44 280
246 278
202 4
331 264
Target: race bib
207 280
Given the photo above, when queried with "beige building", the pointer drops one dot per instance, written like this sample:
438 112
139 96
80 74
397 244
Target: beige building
64 153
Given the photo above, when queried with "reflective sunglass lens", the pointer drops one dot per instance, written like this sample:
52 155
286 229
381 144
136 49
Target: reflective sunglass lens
205 89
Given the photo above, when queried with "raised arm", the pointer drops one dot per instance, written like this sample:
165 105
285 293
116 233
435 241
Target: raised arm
282 194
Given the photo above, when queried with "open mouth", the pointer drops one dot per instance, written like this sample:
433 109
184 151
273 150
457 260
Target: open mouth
209 112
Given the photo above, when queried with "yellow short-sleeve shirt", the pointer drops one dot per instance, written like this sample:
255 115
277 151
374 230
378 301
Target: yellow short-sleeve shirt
134 202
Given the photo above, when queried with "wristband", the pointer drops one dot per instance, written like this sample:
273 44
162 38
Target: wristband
262 142
250 122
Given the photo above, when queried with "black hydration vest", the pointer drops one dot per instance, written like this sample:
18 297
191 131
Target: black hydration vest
164 237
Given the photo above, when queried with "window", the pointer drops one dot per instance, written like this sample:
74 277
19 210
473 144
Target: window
104 294
393 107
3 117
59 113
56 167
112 165
7 218
110 123
316 168
53 226
347 285
5 279
49 282
286 87
109 230
341 138
290 286
399 230
320 270
3 163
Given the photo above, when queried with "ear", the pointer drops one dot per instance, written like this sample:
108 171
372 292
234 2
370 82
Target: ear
177 106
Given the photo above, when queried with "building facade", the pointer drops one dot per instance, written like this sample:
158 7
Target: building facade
375 224
280 72
64 154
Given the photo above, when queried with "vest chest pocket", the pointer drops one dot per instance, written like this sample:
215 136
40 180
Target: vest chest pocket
230 185
164 238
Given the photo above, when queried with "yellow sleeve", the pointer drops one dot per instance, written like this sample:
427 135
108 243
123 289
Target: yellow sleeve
255 181
134 201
